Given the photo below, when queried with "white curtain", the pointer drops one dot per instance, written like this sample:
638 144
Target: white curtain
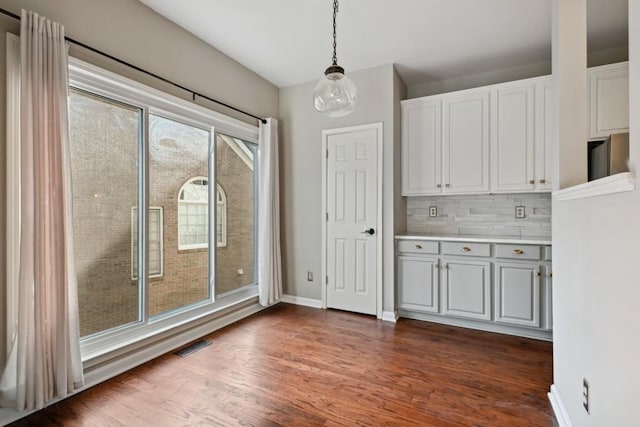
44 360
269 257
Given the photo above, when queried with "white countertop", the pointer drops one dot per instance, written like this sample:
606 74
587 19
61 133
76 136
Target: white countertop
474 238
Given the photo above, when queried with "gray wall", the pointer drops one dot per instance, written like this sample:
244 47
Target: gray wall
129 30
301 174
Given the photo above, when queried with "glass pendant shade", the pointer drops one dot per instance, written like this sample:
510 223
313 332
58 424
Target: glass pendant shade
335 95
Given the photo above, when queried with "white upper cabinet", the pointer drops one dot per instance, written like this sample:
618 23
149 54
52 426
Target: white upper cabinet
466 143
609 99
544 134
421 147
513 138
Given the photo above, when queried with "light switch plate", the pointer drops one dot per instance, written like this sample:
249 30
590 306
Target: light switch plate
519 211
433 211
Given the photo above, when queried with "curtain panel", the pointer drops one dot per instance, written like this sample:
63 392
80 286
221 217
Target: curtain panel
44 357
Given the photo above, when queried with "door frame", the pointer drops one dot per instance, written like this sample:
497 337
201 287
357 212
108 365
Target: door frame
326 133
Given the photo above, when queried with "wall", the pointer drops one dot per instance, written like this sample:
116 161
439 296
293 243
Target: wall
301 174
492 215
129 30
596 290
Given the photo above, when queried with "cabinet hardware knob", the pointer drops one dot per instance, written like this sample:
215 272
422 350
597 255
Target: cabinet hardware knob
531 181
518 251
466 249
543 181
538 274
549 274
439 185
447 185
418 246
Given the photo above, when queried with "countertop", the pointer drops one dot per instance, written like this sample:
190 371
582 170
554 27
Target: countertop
474 238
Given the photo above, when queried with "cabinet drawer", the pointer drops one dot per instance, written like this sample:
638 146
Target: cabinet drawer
466 249
418 246
518 252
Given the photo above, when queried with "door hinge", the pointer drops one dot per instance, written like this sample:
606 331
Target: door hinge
327 153
326 280
327 216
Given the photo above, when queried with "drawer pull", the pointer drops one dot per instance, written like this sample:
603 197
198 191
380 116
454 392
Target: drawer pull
543 181
418 246
518 251
538 274
531 181
466 249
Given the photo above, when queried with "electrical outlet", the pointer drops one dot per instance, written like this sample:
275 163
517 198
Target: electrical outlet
309 276
585 394
433 211
519 211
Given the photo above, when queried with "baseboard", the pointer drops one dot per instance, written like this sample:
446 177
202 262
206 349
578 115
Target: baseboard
390 316
559 410
307 302
107 370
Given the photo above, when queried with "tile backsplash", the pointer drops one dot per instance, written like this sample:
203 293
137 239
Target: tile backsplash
492 214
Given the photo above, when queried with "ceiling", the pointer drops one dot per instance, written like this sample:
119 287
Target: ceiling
289 41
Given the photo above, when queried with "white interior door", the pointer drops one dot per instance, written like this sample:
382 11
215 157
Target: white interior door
352 202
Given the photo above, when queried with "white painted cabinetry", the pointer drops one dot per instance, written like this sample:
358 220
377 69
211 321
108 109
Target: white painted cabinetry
609 99
495 286
421 147
445 144
513 138
466 143
466 288
517 297
418 279
544 135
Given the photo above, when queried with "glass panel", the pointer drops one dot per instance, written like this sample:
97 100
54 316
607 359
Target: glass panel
235 254
104 144
178 170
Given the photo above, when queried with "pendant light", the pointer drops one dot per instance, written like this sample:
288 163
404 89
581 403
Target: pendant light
335 95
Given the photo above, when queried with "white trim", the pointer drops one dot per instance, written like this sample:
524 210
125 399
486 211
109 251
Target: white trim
559 410
618 183
97 80
380 147
307 302
390 316
145 352
134 242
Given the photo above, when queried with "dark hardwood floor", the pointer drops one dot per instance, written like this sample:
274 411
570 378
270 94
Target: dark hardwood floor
297 366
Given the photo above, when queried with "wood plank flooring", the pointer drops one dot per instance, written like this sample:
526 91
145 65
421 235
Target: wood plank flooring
297 366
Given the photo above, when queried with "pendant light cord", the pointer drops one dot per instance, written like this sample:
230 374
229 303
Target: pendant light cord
335 13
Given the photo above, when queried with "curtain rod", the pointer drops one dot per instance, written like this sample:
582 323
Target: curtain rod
142 70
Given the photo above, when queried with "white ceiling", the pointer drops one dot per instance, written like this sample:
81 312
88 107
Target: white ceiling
289 41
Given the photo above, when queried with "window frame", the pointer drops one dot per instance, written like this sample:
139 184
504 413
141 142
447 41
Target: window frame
93 79
134 242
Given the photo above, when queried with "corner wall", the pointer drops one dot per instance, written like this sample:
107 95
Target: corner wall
301 175
596 288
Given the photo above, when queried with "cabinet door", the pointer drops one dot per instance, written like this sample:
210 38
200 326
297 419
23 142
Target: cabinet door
418 283
544 134
466 289
609 99
421 147
517 294
466 143
512 138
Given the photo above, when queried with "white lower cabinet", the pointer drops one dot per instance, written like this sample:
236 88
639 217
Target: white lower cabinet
418 280
517 294
499 287
466 289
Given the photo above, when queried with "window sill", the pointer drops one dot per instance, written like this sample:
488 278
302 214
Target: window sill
619 183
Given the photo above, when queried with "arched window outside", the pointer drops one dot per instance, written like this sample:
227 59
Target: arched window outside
193 221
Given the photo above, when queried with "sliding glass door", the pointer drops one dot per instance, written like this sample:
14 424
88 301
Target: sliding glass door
164 210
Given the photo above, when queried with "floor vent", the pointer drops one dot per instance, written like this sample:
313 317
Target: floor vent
192 348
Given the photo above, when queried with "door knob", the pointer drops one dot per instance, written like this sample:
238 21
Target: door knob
369 231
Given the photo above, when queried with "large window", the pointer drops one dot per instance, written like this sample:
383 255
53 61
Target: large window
145 212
